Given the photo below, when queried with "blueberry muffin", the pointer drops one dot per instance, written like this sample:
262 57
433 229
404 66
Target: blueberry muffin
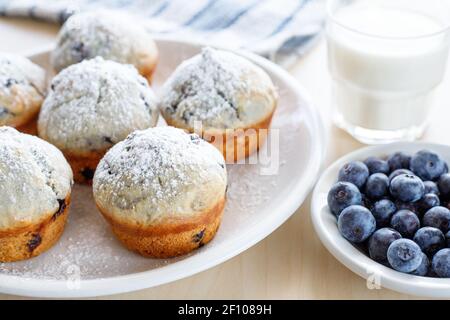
107 34
35 188
90 107
22 90
229 96
162 190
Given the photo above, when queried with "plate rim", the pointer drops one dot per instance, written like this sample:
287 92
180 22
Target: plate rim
350 256
50 288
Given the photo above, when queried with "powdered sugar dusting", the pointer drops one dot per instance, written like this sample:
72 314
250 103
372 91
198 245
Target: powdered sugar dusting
18 72
33 176
95 104
105 33
209 88
159 171
89 250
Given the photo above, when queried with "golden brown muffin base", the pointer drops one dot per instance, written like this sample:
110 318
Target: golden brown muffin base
147 68
26 122
83 166
32 240
235 144
30 127
172 237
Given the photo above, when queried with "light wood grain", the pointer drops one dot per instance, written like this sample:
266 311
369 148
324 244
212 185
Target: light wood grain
291 263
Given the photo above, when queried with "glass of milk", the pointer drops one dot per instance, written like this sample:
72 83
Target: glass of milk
386 58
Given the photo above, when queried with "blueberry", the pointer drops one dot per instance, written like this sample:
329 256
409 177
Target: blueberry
405 222
62 205
383 210
404 255
34 242
377 186
407 188
343 195
431 187
398 172
445 204
430 200
411 206
431 273
10 82
424 267
447 237
444 185
441 263
438 217
376 165
108 140
379 243
366 201
356 223
354 172
398 160
427 165
430 240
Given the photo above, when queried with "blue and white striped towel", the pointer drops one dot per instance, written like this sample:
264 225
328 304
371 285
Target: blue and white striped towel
281 30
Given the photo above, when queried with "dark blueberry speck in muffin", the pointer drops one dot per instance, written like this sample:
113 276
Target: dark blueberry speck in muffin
199 236
34 242
62 206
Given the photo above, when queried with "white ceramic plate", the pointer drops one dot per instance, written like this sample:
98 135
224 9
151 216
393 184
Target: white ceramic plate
89 261
326 227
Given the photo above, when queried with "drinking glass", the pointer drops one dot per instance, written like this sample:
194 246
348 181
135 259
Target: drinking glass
386 59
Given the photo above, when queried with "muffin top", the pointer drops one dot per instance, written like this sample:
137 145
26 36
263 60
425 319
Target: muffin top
22 88
105 33
94 104
220 89
159 174
34 178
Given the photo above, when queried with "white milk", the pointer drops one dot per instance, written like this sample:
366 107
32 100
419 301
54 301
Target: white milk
383 79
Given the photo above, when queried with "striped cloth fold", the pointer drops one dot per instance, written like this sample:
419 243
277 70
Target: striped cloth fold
281 30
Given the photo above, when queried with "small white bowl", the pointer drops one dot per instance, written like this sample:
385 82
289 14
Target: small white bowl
325 225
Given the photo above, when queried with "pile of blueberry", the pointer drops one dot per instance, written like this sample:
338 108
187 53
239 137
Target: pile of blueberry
397 210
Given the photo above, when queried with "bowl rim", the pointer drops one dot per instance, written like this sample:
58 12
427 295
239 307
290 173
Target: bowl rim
348 254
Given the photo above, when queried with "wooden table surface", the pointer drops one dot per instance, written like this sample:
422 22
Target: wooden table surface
291 263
